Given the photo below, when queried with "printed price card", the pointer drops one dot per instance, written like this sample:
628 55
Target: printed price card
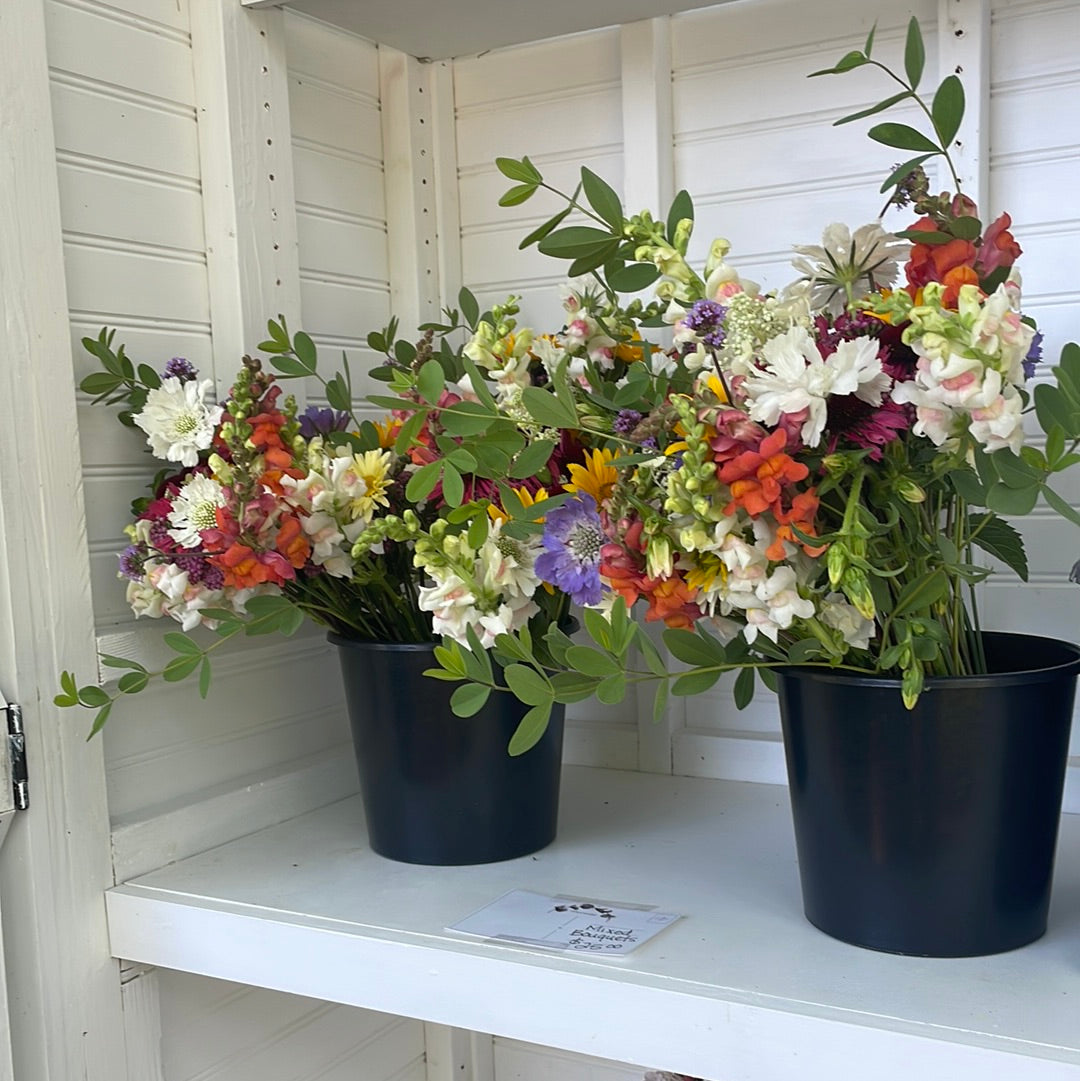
574 924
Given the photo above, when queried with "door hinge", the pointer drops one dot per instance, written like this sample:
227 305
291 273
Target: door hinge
17 750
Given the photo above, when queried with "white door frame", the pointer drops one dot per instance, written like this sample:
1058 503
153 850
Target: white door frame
63 986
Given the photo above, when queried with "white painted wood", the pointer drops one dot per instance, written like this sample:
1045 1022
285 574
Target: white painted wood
530 1062
645 49
248 197
7 814
142 1025
411 207
447 195
64 992
742 988
211 816
964 50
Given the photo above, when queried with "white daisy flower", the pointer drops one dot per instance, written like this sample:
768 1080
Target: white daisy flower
177 422
194 508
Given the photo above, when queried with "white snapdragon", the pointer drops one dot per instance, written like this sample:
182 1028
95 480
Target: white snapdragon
854 628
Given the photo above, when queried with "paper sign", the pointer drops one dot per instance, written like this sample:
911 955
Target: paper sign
574 924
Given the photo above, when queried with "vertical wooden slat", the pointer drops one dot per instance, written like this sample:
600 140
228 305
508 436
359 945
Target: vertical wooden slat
64 987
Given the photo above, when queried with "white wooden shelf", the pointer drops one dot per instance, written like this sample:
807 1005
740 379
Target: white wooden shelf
742 989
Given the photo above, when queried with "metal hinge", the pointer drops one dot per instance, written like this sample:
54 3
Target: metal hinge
17 750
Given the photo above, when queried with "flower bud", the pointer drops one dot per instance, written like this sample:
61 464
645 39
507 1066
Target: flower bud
909 491
856 588
836 560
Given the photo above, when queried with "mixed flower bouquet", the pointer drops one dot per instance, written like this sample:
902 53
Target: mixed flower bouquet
799 477
805 476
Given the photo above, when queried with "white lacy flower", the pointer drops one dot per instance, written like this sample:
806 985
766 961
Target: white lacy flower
854 628
845 266
796 377
177 422
194 509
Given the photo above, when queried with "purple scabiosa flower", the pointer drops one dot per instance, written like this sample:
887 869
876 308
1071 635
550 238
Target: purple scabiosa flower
316 421
1031 361
573 537
132 559
626 421
179 368
706 320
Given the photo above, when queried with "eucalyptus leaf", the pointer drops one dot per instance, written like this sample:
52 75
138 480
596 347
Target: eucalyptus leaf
469 699
602 198
914 53
948 109
530 731
902 137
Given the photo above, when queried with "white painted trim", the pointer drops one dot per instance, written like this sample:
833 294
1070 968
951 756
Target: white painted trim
54 868
964 50
648 120
249 205
447 195
142 1025
411 209
208 818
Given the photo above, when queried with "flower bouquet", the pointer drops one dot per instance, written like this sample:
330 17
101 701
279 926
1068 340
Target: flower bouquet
813 476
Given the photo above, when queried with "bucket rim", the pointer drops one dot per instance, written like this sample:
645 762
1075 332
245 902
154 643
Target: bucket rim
1007 678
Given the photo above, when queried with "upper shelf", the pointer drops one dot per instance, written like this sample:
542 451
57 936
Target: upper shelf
470 27
741 989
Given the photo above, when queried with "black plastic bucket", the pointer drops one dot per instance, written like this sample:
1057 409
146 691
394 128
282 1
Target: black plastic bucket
439 789
932 831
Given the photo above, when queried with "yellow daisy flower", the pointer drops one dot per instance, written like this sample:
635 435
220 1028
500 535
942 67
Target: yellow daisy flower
596 477
368 479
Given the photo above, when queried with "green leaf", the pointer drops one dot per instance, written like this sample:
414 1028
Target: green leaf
542 231
806 649
998 538
572 687
290 367
966 228
1012 470
98 383
870 40
948 109
1012 501
691 648
529 732
650 653
847 62
660 701
338 396
466 418
100 719
881 106
920 594
92 695
901 171
546 409
453 487
132 682
430 381
527 684
591 662
902 137
422 482
1063 508
968 486
305 351
768 677
611 690
459 457
180 668
470 309
575 241
691 683
600 630
450 658
585 264
148 376
914 53
516 195
522 170
180 643
633 278
204 678
744 688
110 661
682 207
469 699
1052 407
602 198
532 459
